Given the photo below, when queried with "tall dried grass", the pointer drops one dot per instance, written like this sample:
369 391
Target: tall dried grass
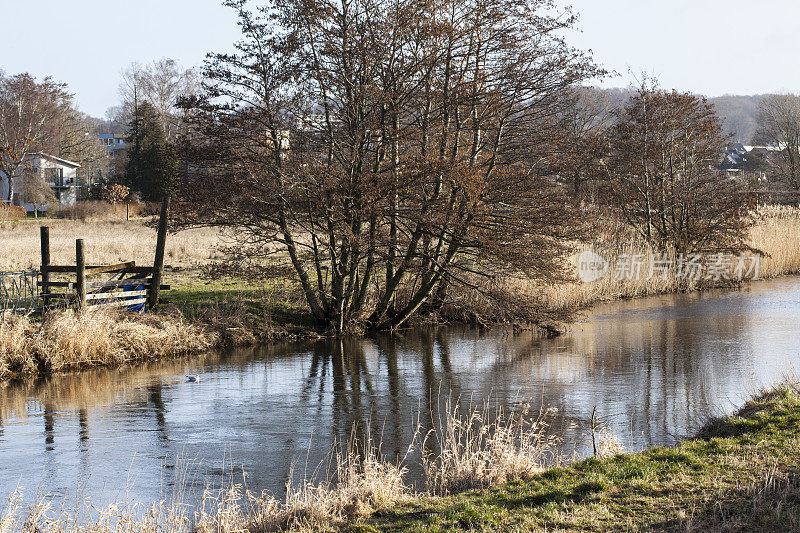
476 449
776 233
96 210
15 333
361 486
481 449
12 212
68 340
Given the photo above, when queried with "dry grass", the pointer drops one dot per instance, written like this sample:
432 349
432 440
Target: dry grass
96 211
360 485
107 242
15 351
12 212
519 300
66 340
479 450
776 233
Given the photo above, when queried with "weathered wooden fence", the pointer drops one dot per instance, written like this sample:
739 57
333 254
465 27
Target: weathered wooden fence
120 285
124 284
81 285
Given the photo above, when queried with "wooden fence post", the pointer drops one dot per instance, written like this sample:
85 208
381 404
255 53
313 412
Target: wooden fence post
44 234
80 270
158 263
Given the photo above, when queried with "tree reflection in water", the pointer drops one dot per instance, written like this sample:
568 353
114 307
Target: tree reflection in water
655 369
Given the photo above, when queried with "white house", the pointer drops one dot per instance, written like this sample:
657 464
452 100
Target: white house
59 173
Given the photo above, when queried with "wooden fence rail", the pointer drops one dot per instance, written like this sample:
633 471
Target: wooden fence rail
126 284
63 285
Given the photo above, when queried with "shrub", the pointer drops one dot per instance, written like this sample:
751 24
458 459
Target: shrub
96 210
12 212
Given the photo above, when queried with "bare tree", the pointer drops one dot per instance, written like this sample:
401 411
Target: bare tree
581 142
35 190
386 148
663 173
30 114
779 123
160 84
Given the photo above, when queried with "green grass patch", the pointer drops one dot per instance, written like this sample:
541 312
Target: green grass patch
274 300
741 474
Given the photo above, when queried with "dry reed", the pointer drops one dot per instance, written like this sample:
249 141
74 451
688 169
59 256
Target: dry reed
68 340
362 485
776 233
479 450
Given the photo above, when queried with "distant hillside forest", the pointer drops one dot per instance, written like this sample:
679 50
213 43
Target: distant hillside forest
739 114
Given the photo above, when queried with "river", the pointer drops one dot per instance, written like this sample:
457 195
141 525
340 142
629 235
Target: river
655 369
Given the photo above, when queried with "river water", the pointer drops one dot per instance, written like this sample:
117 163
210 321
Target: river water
655 369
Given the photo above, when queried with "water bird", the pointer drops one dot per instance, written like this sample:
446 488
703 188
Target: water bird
192 379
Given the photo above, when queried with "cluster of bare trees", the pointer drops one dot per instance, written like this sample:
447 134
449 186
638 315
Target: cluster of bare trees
388 148
159 85
662 173
381 152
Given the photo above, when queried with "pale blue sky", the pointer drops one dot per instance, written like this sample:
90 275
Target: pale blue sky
712 47
706 46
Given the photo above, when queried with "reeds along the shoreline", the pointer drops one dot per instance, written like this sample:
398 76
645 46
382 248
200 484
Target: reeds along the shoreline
484 447
478 448
15 351
360 484
776 233
66 340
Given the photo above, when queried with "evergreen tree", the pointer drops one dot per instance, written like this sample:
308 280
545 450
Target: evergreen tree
150 159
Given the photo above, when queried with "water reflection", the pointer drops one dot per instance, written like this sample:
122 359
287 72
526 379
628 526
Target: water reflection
655 369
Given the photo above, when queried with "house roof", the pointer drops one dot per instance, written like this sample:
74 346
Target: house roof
64 162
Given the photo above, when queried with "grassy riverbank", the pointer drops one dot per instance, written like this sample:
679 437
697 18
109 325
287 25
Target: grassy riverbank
740 474
65 340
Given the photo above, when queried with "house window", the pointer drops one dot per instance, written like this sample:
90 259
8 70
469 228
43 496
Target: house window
55 175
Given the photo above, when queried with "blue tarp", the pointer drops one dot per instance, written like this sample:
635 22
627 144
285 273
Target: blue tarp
136 308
